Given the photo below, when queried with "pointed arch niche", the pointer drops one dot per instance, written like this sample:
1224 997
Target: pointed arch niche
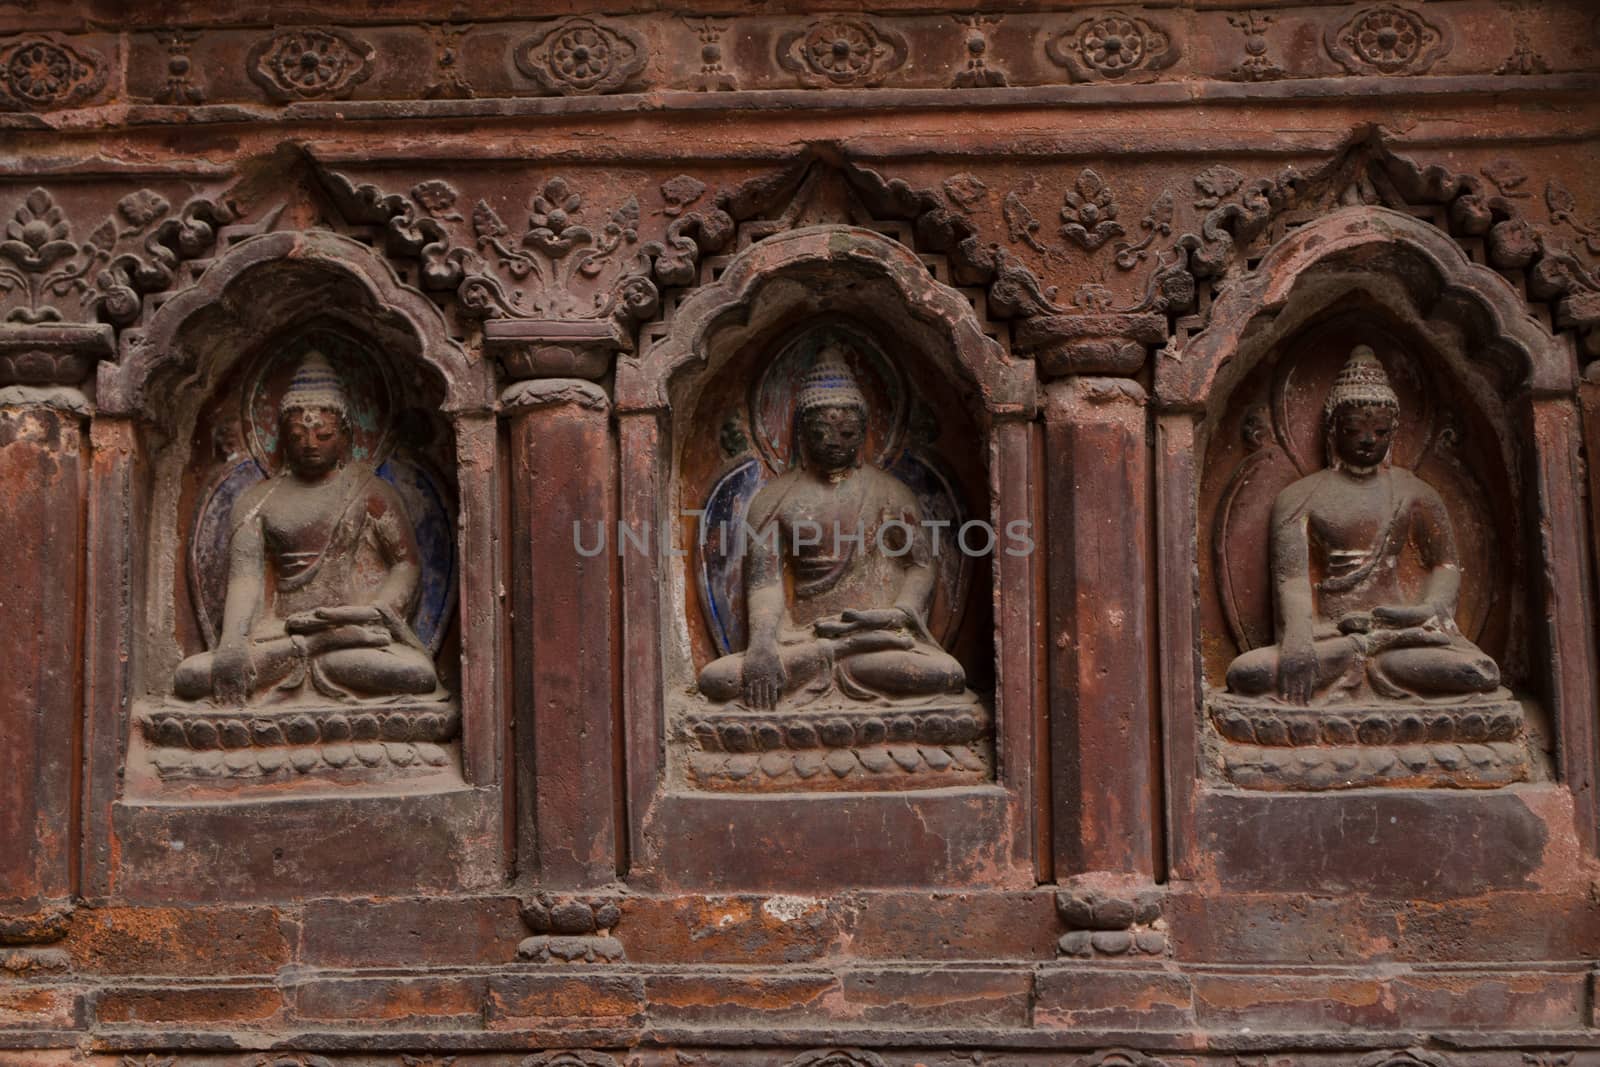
186 425
705 406
1489 422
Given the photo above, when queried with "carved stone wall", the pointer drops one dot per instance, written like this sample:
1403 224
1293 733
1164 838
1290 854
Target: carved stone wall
413 426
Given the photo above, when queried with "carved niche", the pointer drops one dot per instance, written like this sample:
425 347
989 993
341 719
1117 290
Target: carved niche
825 382
1363 600
299 612
832 508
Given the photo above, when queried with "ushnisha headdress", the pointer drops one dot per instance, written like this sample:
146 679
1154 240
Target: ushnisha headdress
315 387
1361 382
829 383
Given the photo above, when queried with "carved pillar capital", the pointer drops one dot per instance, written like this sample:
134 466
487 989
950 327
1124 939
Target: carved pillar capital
1082 399
1091 343
46 363
523 396
553 348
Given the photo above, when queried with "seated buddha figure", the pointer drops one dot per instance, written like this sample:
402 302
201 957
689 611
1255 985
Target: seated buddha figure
295 615
1346 630
838 572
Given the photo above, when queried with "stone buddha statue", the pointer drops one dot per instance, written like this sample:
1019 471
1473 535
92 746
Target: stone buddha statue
838 572
1346 629
323 573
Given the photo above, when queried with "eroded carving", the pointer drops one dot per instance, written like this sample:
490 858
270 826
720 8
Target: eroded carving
38 73
571 929
714 77
1256 66
1387 39
1113 47
181 88
310 63
580 56
1111 921
980 72
449 82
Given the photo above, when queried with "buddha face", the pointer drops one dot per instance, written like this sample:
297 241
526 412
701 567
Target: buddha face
314 440
833 436
1362 433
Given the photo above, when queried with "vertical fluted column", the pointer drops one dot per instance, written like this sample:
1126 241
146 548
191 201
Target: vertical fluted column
1102 715
563 490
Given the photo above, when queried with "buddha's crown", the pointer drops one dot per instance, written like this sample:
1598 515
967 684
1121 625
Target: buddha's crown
315 387
1362 382
830 383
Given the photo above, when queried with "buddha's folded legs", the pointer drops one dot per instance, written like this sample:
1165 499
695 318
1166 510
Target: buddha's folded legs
915 672
396 668
1255 673
363 659
1459 667
1437 669
723 679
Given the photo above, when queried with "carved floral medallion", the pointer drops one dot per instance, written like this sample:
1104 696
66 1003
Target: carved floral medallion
39 73
310 64
580 56
842 53
1387 39
1113 47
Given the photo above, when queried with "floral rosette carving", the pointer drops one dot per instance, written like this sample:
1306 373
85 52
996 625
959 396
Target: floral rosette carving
310 64
580 56
839 53
1113 47
38 73
1387 39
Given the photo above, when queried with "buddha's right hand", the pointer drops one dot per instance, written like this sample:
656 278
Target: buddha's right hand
230 674
764 677
1297 673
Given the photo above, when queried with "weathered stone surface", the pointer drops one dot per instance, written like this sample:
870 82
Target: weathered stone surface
1091 276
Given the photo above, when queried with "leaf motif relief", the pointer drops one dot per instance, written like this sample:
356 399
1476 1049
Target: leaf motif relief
1020 223
486 224
1090 212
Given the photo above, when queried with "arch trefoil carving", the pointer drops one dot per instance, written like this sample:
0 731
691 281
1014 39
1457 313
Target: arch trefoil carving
1365 461
826 379
298 474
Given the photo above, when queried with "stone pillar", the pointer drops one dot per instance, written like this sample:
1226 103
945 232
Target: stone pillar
564 487
42 455
1100 642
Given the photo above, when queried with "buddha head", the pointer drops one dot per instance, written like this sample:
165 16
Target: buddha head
1360 414
832 413
314 419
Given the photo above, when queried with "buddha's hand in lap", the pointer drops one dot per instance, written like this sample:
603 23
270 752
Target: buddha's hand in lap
856 620
764 676
1404 615
317 619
